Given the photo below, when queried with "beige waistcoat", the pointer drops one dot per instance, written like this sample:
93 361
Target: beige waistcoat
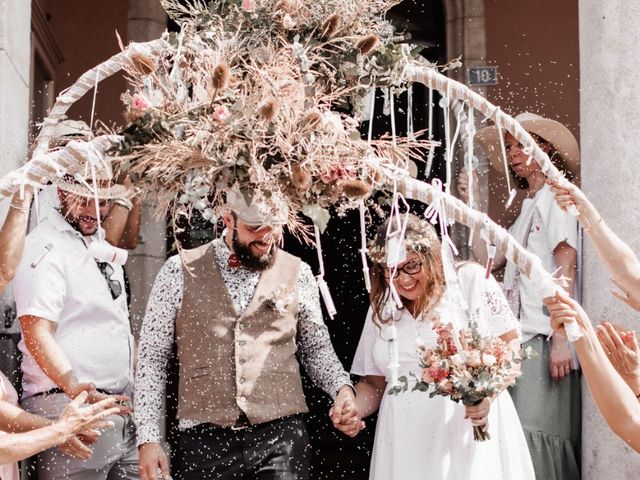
232 363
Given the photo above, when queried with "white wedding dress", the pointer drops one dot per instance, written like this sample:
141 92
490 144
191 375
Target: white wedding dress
422 438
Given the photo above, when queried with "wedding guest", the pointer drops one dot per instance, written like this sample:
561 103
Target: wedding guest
418 436
25 434
122 223
615 399
242 312
547 397
76 330
616 255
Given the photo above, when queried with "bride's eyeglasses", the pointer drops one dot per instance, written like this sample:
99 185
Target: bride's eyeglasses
410 268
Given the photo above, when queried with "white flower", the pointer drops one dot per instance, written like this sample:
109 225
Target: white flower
488 360
456 359
332 122
288 22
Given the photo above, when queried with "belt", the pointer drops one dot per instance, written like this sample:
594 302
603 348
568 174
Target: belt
242 423
59 390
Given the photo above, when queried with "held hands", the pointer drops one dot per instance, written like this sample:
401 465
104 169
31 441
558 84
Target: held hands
345 413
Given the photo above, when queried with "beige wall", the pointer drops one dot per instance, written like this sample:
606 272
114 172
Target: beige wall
86 34
609 39
535 45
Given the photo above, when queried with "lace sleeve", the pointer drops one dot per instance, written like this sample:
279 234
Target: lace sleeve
487 301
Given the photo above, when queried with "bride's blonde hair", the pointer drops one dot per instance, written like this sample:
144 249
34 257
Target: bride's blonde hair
420 237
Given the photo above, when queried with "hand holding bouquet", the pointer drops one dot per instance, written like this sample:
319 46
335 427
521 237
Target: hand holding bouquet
467 369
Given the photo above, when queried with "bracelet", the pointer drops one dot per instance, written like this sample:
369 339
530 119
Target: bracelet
124 202
20 208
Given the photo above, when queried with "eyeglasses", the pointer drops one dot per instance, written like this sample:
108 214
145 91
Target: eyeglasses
409 268
115 287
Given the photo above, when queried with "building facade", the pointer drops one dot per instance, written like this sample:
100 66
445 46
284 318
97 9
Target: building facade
570 60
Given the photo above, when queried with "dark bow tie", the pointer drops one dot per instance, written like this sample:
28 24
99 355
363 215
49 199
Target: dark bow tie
234 261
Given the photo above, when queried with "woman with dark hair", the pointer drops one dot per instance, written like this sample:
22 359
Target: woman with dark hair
547 397
418 436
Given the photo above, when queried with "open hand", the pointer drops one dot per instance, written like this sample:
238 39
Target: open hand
121 402
622 349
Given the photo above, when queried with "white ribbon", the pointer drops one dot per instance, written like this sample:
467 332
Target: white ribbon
322 284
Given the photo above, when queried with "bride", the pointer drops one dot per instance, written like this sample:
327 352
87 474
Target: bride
418 437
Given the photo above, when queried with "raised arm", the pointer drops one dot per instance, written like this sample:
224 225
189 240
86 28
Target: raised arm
12 236
614 398
615 254
122 225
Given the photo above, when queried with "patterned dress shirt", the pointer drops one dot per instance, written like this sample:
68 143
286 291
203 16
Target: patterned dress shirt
156 338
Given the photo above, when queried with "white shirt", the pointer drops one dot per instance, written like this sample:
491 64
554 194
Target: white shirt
550 227
59 280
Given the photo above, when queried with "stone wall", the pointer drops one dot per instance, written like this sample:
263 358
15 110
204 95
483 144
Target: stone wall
609 78
15 74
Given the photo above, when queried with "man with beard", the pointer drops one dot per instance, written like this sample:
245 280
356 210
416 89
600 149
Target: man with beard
76 334
238 309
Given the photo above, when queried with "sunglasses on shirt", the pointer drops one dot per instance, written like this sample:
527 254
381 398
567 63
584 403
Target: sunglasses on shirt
115 287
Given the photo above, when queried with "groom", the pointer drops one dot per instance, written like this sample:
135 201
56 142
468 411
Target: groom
238 308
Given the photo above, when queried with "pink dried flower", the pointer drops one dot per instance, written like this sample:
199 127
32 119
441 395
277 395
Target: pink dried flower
246 5
138 102
221 113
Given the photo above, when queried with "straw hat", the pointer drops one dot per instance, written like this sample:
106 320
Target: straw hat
550 130
83 186
262 210
81 183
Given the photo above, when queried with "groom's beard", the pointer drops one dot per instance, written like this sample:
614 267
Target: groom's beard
250 260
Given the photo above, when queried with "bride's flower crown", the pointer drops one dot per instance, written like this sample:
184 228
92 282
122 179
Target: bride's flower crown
418 240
